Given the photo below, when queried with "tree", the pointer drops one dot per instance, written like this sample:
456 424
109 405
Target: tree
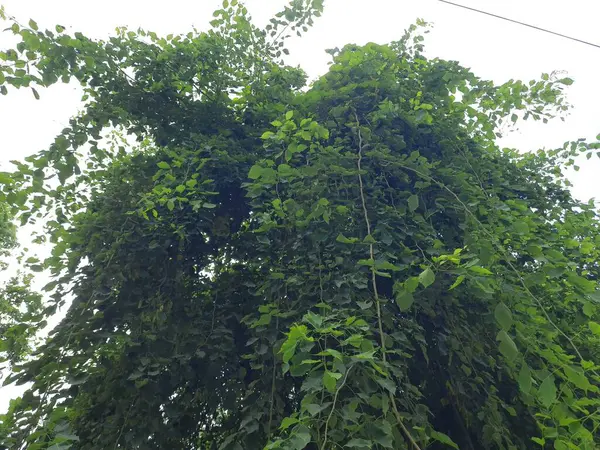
352 265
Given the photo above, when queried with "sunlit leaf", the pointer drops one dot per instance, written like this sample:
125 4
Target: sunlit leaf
427 277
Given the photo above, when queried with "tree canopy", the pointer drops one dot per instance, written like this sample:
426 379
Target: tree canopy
252 262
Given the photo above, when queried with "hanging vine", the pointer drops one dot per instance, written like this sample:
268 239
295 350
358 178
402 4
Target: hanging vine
355 264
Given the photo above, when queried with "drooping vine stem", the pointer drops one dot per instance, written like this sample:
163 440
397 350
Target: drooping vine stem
123 426
273 374
374 283
507 259
371 248
335 397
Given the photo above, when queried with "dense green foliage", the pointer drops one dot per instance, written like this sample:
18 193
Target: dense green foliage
7 229
354 264
20 307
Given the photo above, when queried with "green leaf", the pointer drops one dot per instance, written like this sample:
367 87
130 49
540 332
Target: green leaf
296 334
310 361
503 316
524 378
331 352
365 356
563 445
387 384
520 227
381 433
413 203
359 443
5 178
547 391
33 25
66 436
540 441
163 165
576 376
386 265
284 169
369 239
344 240
480 270
594 328
77 380
314 319
299 439
255 172
411 284
289 115
588 309
135 375
404 299
507 346
427 277
444 439
330 380
288 422
264 319
458 282
314 409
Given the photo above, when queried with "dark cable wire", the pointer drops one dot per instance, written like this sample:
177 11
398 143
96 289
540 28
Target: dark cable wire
520 23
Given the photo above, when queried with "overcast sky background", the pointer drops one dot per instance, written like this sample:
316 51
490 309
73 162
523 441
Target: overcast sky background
492 48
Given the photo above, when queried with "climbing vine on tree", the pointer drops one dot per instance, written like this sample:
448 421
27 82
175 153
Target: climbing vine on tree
353 264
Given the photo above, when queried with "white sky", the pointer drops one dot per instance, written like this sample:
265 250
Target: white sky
492 48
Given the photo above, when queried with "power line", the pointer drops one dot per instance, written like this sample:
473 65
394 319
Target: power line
521 23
